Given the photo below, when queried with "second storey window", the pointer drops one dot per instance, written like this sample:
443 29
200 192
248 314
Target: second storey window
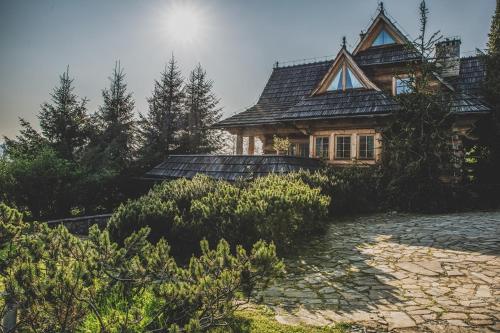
322 144
343 147
366 147
402 86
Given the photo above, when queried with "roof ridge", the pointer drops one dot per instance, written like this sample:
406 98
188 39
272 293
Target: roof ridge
301 64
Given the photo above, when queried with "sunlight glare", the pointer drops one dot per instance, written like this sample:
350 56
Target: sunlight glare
184 23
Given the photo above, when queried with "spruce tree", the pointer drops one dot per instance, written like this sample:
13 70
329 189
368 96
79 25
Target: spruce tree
64 121
161 125
115 142
492 82
416 140
484 152
202 111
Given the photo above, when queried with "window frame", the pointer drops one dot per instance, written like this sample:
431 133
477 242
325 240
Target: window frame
316 151
395 84
303 149
344 68
366 158
383 44
337 157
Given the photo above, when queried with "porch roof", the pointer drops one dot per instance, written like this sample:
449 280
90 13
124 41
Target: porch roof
229 167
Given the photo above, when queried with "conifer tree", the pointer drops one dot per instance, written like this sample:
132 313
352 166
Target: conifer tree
64 121
161 126
416 140
115 140
484 153
492 82
202 111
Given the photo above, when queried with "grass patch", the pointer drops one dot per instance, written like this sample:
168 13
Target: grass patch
259 321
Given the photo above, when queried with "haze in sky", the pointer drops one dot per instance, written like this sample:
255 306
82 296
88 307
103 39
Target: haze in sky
237 42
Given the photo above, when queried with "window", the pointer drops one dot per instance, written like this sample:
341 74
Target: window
322 144
337 81
304 149
366 147
299 149
383 38
402 86
351 80
343 148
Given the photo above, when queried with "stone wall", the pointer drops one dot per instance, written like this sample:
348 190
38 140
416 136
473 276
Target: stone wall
81 225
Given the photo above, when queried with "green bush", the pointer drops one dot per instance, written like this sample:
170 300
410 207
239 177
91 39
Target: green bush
63 283
352 190
282 207
277 208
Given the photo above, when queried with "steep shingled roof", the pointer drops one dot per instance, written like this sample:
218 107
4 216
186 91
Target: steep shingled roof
287 97
472 73
334 104
286 86
229 167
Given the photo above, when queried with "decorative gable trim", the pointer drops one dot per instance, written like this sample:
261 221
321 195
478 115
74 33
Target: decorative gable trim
343 59
380 23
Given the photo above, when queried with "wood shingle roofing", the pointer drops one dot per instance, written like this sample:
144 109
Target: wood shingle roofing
229 167
341 103
385 55
472 73
287 95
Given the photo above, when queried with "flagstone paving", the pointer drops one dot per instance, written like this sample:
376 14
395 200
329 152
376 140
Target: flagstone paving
437 273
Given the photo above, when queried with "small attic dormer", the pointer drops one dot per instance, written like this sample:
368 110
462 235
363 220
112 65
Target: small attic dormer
381 33
344 74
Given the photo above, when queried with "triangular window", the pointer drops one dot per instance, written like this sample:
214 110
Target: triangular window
351 81
383 38
337 81
345 76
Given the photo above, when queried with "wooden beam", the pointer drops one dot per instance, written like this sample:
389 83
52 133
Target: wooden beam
251 145
239 144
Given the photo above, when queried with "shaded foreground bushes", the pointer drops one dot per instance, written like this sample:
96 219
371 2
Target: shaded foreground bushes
62 283
277 208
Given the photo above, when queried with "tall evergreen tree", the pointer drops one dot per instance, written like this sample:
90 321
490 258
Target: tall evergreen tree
492 82
484 153
416 140
202 111
161 126
64 121
28 143
115 140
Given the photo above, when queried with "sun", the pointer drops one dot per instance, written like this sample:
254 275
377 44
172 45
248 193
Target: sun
184 23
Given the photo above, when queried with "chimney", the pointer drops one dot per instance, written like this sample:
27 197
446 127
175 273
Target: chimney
448 57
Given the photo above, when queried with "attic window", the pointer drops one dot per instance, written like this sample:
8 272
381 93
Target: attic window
383 38
337 81
345 79
351 81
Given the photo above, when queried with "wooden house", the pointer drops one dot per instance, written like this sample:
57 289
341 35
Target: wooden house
335 110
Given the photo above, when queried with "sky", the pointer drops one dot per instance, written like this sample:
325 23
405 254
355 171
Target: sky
237 42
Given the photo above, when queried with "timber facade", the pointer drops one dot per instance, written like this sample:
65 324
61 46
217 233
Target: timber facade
335 110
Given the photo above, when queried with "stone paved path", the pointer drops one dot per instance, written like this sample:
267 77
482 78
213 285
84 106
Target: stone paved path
438 273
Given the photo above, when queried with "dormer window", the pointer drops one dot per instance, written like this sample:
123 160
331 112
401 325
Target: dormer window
351 81
383 38
337 81
345 79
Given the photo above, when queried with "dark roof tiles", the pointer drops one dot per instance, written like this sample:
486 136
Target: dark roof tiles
338 104
286 96
229 167
385 55
290 84
472 73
